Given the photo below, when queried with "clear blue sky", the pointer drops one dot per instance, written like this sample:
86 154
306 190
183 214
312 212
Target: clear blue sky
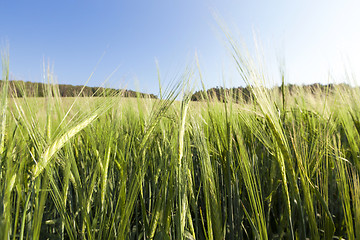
314 38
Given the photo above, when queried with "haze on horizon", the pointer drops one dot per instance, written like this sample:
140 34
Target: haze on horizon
316 40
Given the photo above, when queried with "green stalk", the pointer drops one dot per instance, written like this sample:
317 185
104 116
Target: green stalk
180 170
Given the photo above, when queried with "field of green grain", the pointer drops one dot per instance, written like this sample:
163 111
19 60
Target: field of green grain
279 167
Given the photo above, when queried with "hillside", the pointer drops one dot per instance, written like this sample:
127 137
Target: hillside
245 93
21 88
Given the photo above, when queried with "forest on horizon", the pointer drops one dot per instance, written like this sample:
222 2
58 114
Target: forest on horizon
20 88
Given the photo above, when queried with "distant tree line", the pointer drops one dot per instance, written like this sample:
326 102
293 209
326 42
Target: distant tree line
220 93
32 89
245 93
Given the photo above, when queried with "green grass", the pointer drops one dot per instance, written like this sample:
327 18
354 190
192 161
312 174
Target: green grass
279 167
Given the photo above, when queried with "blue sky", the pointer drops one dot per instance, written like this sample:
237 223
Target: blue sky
314 38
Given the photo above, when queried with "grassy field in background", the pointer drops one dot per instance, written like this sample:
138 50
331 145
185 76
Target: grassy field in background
278 167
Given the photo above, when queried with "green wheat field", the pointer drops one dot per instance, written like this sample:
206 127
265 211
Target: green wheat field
280 166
